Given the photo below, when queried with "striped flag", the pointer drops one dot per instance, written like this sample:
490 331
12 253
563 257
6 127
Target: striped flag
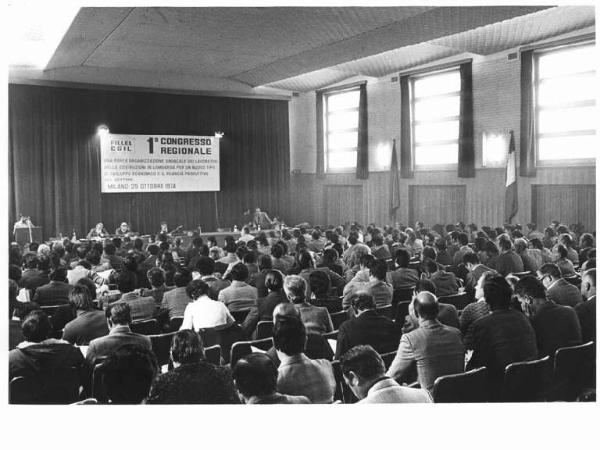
511 202
394 184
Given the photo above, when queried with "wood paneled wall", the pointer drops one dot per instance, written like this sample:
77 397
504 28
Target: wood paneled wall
568 204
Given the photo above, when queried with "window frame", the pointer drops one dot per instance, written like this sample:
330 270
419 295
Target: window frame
569 162
413 121
326 150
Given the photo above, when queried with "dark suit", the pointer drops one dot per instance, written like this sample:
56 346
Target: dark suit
33 278
369 328
564 293
54 293
88 325
117 337
267 304
499 339
586 312
142 308
555 326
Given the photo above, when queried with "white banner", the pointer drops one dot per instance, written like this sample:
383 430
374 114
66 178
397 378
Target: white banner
159 163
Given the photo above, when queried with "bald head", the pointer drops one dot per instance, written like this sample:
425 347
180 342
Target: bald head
285 309
426 306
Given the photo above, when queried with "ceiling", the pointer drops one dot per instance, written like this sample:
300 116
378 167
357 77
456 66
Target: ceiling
256 50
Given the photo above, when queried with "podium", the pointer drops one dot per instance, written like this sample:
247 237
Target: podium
23 236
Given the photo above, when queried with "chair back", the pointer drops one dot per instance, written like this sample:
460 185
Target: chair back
161 346
98 391
527 381
468 387
146 327
49 387
458 300
339 318
240 316
175 323
388 358
243 348
401 312
23 391
387 311
213 354
574 370
264 329
224 337
402 295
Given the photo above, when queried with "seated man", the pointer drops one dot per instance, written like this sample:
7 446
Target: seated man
33 276
359 281
142 308
90 323
263 310
364 372
557 288
381 291
206 270
193 380
555 325
368 327
239 296
56 367
109 259
176 300
586 311
476 270
403 277
255 377
445 282
299 375
316 319
202 311
434 349
502 337
156 278
83 269
118 316
56 292
128 374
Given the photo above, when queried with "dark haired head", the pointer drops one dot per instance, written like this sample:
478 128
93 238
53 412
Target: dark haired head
129 373
530 286
277 251
425 285
36 326
196 289
239 272
119 313
497 292
550 269
289 335
126 281
255 375
470 258
273 280
362 301
364 361
402 258
187 347
90 285
319 282
205 265
59 274
156 277
265 262
305 261
81 298
183 277
379 269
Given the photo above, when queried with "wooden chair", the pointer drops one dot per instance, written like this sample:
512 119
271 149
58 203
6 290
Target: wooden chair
401 312
224 337
240 316
161 346
339 318
468 387
387 311
175 323
147 327
388 358
264 329
458 300
527 381
213 354
243 348
574 370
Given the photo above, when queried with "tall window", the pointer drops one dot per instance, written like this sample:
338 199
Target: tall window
435 110
341 129
565 86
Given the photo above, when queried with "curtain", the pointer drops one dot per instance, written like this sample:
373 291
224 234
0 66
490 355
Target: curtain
466 147
406 165
320 143
54 157
528 141
362 155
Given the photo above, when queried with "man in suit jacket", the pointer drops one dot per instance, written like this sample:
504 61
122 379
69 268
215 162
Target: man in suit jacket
119 317
57 291
586 311
206 268
445 282
297 374
367 328
559 289
90 322
175 300
508 261
32 277
502 337
142 308
435 349
364 372
555 326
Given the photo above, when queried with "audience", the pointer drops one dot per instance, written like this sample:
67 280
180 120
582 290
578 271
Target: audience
473 311
364 372
204 312
239 296
316 319
558 289
157 278
402 277
56 292
176 300
142 308
90 323
255 378
586 311
445 282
